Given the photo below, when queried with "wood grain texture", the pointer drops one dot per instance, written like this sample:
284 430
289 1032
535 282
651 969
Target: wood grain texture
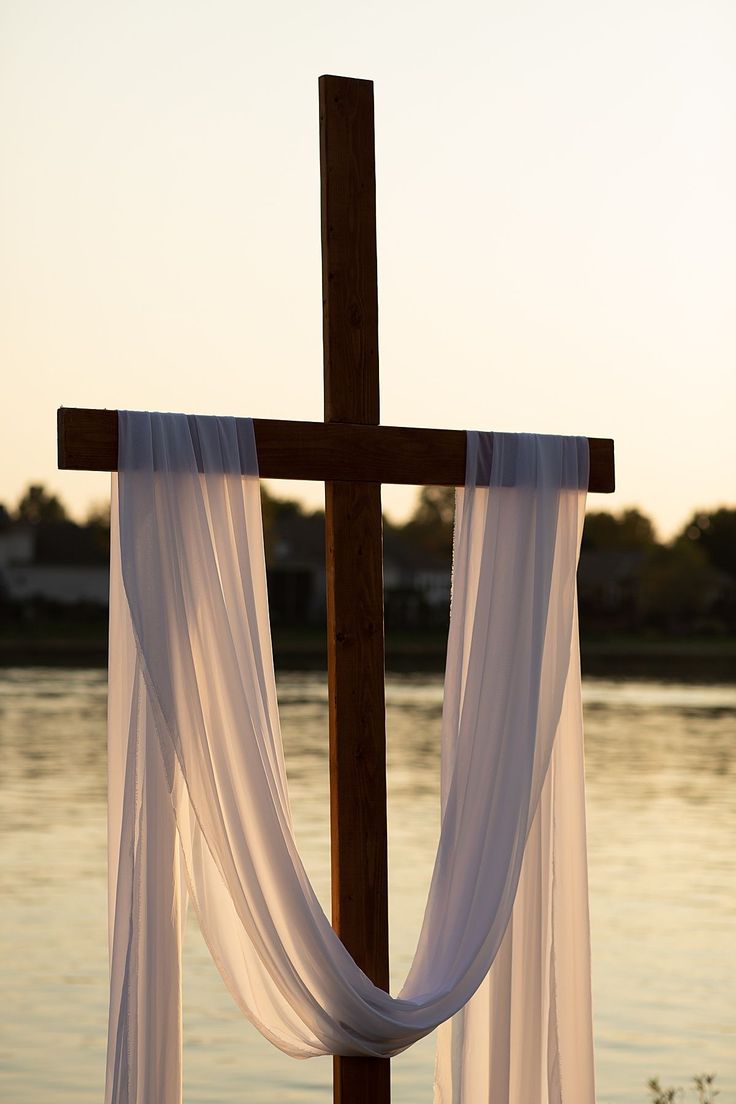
349 266
88 441
362 1080
354 559
355 666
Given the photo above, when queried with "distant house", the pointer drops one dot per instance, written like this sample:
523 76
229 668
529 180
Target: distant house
295 570
416 585
63 564
16 546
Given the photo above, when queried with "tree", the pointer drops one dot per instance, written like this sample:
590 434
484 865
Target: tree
37 506
430 526
98 515
97 525
436 506
715 533
677 588
631 529
286 524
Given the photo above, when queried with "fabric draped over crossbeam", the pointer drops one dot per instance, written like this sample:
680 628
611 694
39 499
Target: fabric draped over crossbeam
199 806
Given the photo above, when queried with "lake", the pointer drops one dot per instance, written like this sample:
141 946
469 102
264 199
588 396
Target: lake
661 774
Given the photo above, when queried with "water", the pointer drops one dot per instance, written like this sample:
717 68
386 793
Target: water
661 766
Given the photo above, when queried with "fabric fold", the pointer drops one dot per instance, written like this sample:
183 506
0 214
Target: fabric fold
199 803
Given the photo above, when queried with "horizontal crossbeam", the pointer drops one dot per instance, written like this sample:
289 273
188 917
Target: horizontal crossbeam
324 451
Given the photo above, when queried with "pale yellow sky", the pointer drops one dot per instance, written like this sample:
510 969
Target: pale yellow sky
556 222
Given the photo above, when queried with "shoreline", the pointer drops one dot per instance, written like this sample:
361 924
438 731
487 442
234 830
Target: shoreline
694 659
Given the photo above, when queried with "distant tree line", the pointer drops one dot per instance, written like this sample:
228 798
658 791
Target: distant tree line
59 539
629 581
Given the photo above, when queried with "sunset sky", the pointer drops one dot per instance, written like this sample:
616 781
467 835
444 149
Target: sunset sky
556 223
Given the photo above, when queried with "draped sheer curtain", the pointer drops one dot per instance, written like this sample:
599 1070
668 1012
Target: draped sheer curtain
199 807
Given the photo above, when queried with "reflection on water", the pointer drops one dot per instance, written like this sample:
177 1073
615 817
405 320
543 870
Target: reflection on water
661 766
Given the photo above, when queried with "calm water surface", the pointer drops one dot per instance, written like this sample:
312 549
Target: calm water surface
661 766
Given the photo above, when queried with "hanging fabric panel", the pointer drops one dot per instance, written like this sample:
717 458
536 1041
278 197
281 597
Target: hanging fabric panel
199 803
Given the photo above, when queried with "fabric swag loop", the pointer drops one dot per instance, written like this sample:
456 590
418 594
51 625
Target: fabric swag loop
198 800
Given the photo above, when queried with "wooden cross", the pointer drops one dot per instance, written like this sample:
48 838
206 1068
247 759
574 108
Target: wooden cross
353 454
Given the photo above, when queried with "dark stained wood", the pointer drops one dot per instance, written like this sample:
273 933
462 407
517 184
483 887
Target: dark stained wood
362 1080
349 267
354 558
88 441
355 666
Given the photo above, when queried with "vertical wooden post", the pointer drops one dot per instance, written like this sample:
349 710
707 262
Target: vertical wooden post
354 549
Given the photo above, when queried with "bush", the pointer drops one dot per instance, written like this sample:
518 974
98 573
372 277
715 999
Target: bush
703 1087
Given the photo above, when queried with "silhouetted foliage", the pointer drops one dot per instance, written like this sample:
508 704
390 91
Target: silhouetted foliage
97 525
98 515
703 1085
677 588
430 526
290 531
37 506
627 580
715 533
631 529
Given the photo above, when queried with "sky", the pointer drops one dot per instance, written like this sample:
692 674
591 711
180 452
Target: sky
555 207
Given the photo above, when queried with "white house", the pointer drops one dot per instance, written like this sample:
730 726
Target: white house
21 578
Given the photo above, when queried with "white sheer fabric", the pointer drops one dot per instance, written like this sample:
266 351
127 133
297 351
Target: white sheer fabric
198 798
